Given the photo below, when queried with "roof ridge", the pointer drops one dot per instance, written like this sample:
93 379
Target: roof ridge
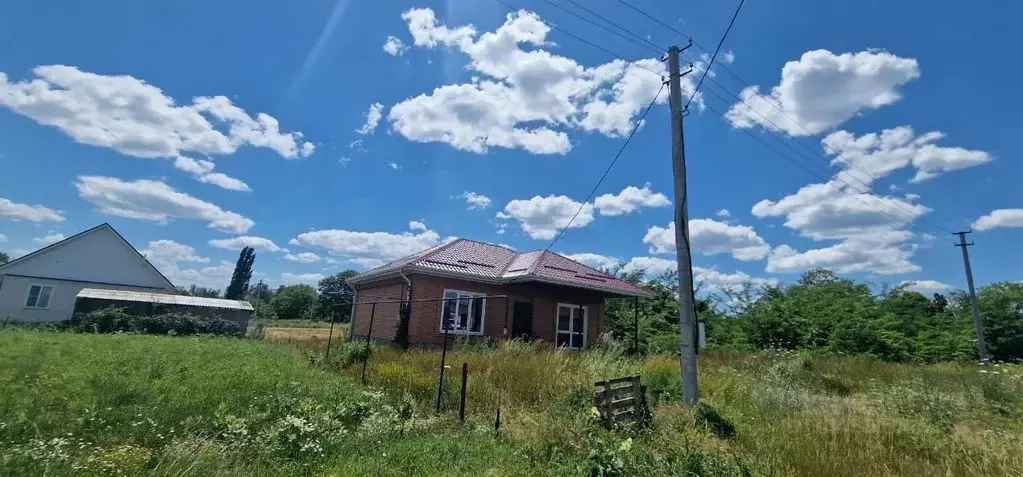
83 233
435 251
54 244
536 264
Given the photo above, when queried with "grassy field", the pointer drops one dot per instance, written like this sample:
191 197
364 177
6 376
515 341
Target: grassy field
142 405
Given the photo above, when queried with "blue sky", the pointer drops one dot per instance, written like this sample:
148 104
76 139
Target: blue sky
345 134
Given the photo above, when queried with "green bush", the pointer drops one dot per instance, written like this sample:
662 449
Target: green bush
114 320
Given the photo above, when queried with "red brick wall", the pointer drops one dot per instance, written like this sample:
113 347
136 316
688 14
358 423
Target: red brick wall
545 300
385 317
424 326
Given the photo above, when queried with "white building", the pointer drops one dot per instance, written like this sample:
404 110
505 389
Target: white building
42 286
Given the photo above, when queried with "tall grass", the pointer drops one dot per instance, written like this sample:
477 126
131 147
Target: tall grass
145 405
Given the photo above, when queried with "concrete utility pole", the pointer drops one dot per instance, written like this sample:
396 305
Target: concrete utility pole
978 323
686 308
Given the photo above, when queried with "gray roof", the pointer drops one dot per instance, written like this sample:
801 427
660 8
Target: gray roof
480 261
164 299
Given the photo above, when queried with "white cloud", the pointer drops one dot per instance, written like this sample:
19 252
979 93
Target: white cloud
724 213
3 238
711 280
394 46
137 119
710 237
542 217
822 90
168 255
31 213
288 278
373 115
368 248
523 95
1000 218
870 228
651 266
594 260
367 263
203 172
883 254
393 165
926 287
304 257
238 243
169 251
728 58
873 156
630 199
417 226
155 201
16 253
49 239
474 200
832 211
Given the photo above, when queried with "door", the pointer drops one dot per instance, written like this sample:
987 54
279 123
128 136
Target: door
522 320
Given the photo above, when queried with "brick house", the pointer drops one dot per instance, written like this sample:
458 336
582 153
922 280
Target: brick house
485 290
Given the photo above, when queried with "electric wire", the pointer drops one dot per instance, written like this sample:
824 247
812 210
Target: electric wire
607 170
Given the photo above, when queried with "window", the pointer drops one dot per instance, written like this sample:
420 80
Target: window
39 296
571 326
463 312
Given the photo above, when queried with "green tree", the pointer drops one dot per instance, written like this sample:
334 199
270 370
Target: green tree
336 296
241 276
1001 306
260 291
294 302
4 258
203 292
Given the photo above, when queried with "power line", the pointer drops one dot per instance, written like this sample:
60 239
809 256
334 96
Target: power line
829 182
644 43
583 40
660 49
715 55
766 99
607 170
814 155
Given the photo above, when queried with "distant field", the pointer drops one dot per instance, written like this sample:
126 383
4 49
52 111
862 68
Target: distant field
288 334
298 324
75 404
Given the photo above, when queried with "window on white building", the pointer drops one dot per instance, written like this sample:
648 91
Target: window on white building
571 326
463 312
39 296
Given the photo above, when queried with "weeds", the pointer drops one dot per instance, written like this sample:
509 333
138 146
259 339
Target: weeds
78 404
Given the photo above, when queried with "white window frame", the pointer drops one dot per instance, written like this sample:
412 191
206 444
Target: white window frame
569 332
472 299
48 300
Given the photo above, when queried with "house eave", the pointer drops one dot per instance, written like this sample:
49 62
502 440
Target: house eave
493 281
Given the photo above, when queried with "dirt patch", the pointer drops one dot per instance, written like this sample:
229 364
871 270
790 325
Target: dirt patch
285 334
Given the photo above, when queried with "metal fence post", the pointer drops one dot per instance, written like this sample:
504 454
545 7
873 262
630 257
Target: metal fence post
369 333
443 358
330 337
465 379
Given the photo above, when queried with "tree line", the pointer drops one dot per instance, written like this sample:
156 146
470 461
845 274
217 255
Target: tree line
824 312
331 297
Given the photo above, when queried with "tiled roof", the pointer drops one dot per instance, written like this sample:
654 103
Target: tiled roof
492 263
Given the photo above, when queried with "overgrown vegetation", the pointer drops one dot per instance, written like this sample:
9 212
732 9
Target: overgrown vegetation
85 404
825 313
117 320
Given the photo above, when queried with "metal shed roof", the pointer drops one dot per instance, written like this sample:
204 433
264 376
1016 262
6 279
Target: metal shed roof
164 299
